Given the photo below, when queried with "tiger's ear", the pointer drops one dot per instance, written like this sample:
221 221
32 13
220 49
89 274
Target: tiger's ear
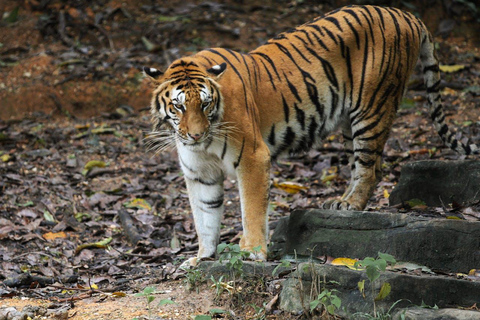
217 70
152 74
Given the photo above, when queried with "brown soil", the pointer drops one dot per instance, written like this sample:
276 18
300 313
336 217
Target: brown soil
106 307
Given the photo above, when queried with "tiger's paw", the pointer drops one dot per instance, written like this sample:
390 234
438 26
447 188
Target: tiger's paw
337 204
189 263
257 256
257 253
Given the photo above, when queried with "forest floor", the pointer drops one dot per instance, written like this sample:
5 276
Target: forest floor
74 165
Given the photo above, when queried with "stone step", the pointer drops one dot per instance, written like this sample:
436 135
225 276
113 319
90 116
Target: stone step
309 279
441 244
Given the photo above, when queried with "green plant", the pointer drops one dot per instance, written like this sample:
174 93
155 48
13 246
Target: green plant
148 293
193 278
320 295
220 286
283 264
233 255
381 315
328 299
373 268
260 312
212 312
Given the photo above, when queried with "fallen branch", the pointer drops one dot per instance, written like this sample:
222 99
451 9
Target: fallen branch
26 279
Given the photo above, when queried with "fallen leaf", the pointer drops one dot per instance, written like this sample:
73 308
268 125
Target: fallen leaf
289 186
329 174
149 46
413 203
48 216
26 204
103 130
138 203
384 291
410 266
386 195
454 218
474 274
100 244
94 163
452 68
361 287
82 126
119 294
6 157
52 236
348 262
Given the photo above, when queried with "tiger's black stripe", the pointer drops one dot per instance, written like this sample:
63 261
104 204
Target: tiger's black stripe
271 136
238 74
362 80
335 22
224 149
286 109
300 116
269 75
292 88
331 35
237 163
213 204
267 58
319 40
357 37
287 142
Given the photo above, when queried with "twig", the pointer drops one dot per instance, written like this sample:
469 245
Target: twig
107 290
28 253
80 297
61 29
137 255
104 32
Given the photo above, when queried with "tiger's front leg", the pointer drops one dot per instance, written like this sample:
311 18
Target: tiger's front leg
253 174
205 190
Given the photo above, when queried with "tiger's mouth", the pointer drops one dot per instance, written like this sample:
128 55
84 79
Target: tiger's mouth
196 144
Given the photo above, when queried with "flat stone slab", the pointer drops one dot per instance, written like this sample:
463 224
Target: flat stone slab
409 290
249 268
437 182
441 244
436 314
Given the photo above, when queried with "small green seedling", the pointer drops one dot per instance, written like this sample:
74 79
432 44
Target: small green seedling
148 293
328 299
373 268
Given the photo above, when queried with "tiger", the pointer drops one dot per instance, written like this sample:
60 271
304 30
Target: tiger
231 113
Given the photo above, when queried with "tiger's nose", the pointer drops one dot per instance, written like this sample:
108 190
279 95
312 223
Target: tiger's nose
195 136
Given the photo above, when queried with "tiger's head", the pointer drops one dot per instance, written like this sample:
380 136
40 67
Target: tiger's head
186 105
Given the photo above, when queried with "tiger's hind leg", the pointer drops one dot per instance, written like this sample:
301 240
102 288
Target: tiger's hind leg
368 137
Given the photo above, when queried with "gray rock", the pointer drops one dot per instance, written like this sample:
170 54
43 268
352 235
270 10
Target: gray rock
437 182
441 244
249 268
438 314
407 290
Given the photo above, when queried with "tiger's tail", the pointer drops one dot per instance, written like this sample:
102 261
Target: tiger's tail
431 78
